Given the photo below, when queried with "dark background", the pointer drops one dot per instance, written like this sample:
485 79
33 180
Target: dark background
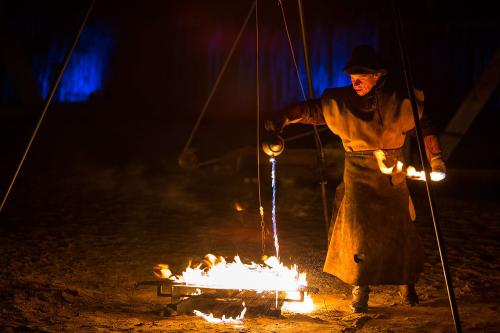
101 200
158 60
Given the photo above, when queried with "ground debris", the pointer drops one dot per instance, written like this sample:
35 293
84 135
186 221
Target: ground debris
70 265
356 321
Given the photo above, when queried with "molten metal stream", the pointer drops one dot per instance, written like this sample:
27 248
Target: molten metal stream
273 212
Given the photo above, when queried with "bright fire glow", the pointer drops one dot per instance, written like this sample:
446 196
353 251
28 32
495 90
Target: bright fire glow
410 171
380 156
236 275
210 318
271 276
306 306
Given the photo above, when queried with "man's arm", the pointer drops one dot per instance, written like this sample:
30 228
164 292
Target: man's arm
432 146
433 152
308 112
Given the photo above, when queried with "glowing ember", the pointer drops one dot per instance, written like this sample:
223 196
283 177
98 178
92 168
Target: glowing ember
162 270
410 171
210 318
238 207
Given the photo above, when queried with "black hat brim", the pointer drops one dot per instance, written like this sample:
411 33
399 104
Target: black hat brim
364 70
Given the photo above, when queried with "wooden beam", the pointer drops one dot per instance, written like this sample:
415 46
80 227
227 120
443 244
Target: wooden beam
471 106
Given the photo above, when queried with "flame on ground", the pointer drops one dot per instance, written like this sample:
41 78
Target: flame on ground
410 171
272 276
210 317
214 272
306 306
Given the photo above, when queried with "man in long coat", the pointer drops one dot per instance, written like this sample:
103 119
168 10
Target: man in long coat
372 240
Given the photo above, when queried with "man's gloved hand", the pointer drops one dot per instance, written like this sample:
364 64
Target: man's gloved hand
437 165
275 126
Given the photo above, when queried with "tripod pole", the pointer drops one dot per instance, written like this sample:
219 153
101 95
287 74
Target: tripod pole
319 145
52 90
428 183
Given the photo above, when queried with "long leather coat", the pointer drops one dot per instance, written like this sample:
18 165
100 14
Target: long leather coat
373 239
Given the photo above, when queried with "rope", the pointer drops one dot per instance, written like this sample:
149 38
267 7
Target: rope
280 3
421 148
257 80
47 102
315 131
223 69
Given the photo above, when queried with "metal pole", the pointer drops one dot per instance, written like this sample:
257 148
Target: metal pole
52 90
319 146
430 193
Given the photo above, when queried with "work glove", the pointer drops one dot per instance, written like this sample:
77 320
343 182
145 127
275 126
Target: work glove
276 126
274 144
437 164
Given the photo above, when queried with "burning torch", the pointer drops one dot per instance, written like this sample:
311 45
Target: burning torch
409 171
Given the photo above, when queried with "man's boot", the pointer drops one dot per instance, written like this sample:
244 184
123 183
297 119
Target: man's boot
408 295
360 296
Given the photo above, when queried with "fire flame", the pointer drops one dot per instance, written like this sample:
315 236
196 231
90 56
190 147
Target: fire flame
238 207
410 171
272 276
221 274
210 317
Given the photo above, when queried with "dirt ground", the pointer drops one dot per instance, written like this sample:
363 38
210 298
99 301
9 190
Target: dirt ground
76 238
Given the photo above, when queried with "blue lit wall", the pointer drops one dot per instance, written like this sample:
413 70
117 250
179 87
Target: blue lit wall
85 72
329 52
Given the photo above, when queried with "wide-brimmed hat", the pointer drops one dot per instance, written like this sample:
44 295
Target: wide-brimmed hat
364 60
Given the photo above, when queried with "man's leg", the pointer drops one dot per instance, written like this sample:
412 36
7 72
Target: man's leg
360 296
408 294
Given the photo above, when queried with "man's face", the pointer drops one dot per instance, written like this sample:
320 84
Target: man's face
363 83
